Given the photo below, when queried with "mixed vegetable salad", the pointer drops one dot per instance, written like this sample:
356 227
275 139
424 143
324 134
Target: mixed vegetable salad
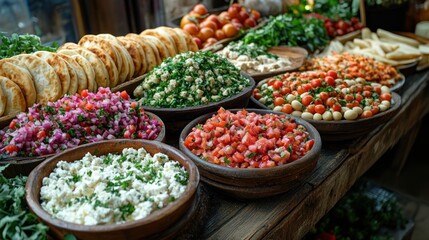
75 120
190 79
249 140
319 95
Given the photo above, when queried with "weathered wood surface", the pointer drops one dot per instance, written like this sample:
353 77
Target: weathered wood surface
293 214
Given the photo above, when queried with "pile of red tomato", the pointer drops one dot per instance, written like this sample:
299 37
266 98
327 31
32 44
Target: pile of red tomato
341 27
207 28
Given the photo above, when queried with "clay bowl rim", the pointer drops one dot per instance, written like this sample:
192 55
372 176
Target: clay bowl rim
27 160
32 195
251 173
245 91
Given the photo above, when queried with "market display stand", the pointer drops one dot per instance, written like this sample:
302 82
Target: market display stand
293 214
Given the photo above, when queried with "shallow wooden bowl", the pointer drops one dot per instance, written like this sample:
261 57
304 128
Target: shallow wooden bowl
175 119
250 183
157 222
349 129
24 165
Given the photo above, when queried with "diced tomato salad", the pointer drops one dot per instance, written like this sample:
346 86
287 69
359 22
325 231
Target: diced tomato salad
249 140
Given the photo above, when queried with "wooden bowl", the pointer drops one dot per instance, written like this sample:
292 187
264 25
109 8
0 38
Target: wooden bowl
24 165
175 119
155 223
251 183
349 129
296 55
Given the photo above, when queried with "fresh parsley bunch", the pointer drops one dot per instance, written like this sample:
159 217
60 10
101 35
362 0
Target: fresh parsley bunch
25 43
16 220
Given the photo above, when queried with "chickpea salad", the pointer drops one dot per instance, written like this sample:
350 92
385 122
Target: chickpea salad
190 79
322 95
252 58
112 188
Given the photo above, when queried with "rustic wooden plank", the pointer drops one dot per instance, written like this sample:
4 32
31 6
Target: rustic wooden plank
259 216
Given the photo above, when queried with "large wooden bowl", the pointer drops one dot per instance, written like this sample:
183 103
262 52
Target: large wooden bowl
175 119
24 165
349 129
157 222
251 183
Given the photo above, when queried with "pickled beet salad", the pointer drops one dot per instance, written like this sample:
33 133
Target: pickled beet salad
75 120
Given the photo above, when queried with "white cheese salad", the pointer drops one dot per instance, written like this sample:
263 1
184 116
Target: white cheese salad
113 188
252 58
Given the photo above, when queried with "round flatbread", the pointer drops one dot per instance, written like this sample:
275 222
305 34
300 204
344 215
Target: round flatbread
108 63
179 40
46 81
128 69
15 100
82 68
192 46
22 77
101 74
165 38
137 55
3 101
59 66
150 55
162 49
90 40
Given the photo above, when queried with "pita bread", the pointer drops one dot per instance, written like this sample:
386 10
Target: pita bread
192 46
59 66
137 54
164 37
151 59
108 63
101 74
179 40
46 81
3 101
84 64
22 77
15 100
90 40
162 49
127 67
78 64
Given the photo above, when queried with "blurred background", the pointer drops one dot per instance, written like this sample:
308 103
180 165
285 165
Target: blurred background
68 20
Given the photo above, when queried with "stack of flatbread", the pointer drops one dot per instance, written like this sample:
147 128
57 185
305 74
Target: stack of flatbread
101 60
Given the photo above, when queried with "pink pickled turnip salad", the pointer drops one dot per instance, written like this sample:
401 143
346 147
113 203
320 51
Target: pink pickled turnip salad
75 120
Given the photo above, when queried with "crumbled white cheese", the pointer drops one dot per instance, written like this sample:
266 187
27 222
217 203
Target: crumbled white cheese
114 188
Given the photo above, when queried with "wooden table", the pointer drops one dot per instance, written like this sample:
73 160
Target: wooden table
293 214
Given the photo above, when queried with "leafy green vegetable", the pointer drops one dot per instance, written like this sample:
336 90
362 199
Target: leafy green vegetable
332 9
25 43
291 30
251 50
16 220
361 214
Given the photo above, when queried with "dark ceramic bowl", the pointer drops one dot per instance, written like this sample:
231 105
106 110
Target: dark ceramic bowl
248 183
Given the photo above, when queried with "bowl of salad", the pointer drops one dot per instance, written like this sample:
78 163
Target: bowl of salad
340 109
191 84
45 130
113 189
251 153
